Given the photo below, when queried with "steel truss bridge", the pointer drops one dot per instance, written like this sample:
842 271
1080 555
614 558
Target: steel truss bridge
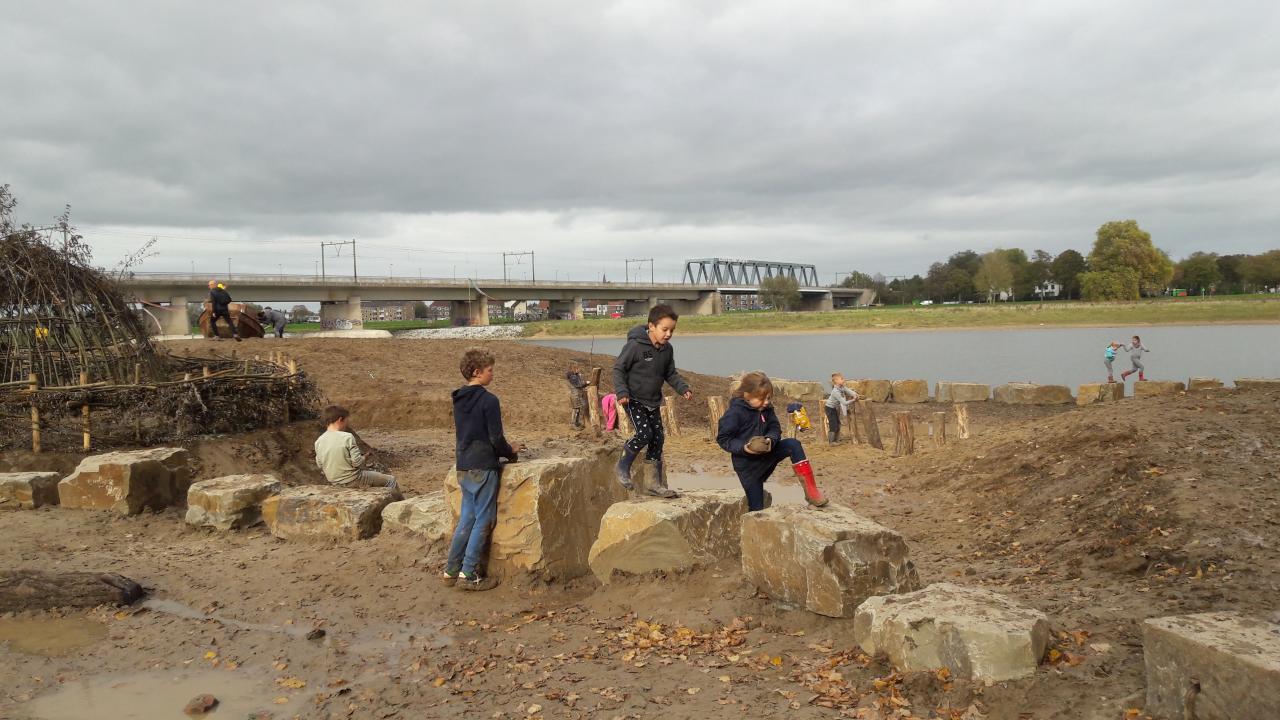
718 271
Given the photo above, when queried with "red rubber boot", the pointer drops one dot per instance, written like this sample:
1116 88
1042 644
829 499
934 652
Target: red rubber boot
812 494
1142 375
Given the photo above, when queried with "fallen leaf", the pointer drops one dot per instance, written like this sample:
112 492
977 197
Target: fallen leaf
533 710
291 682
280 700
776 662
438 681
694 690
210 655
724 678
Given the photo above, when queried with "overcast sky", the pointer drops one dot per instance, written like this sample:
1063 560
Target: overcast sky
877 136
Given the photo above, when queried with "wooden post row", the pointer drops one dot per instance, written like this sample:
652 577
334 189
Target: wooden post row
904 437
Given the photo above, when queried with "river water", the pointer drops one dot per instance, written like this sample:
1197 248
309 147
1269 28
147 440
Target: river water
1060 356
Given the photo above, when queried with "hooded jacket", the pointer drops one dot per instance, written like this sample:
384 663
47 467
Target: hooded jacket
477 419
740 423
641 368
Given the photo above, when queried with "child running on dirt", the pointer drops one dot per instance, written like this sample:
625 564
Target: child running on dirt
577 394
339 457
1136 349
645 363
1109 357
837 405
750 432
477 418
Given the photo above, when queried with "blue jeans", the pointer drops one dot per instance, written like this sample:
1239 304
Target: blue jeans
475 520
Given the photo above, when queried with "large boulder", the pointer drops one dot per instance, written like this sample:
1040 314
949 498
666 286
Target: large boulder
958 392
827 561
1090 393
28 490
973 632
872 390
1019 393
1221 664
800 390
1258 383
549 513
910 391
1154 388
1204 383
128 482
426 516
230 502
640 536
326 512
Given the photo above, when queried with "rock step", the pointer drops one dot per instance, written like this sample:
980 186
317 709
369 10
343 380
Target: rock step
28 490
958 392
1223 664
326 512
1155 388
230 502
1019 393
1090 393
426 516
128 482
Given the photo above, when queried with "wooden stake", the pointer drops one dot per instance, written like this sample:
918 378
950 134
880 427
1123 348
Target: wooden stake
624 422
868 416
715 411
205 371
670 425
34 384
851 421
938 429
84 412
137 373
904 436
594 412
962 421
825 423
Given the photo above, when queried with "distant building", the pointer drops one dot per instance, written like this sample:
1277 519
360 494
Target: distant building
377 310
1048 289
741 302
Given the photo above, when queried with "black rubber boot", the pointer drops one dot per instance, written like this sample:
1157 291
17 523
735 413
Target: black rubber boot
658 487
832 437
623 470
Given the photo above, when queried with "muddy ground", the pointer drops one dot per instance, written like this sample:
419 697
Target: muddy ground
1098 516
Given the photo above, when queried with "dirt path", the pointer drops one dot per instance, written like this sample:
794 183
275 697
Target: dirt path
1099 517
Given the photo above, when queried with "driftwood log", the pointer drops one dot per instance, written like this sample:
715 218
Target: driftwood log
35 590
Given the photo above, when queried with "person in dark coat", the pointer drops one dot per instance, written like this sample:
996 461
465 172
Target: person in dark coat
751 433
220 304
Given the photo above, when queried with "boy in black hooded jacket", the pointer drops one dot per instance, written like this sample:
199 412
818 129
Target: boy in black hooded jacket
645 363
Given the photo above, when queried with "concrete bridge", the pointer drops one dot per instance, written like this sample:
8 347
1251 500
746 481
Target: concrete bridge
340 297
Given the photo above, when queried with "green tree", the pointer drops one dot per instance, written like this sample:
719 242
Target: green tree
1199 272
1121 244
782 292
1262 271
1040 269
1066 271
1232 277
1103 285
858 280
420 310
994 276
966 260
299 313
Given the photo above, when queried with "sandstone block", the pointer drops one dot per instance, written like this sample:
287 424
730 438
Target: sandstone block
640 536
426 516
1090 393
974 633
872 390
1031 394
1258 383
128 482
1203 383
958 392
230 502
910 391
1154 388
326 512
827 561
28 490
1234 660
549 513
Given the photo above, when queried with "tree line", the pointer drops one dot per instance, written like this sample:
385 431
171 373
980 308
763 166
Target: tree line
1123 264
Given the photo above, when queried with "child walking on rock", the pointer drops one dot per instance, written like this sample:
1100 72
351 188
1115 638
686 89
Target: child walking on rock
1136 349
645 363
749 431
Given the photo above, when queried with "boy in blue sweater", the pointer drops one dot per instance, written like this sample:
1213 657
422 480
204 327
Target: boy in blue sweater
645 363
477 418
750 432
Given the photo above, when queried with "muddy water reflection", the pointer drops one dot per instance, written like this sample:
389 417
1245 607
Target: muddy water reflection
149 695
50 636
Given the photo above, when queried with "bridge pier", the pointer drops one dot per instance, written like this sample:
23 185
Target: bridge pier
173 319
818 303
572 308
709 302
341 314
469 312
639 307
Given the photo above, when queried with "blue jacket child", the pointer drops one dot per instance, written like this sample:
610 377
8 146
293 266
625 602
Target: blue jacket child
750 415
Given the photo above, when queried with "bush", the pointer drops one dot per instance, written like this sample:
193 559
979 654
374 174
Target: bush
1103 285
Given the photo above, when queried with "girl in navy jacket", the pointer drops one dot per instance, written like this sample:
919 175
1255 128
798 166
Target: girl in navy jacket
750 415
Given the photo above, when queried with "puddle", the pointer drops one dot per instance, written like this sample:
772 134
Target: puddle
50 636
170 607
783 494
155 694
